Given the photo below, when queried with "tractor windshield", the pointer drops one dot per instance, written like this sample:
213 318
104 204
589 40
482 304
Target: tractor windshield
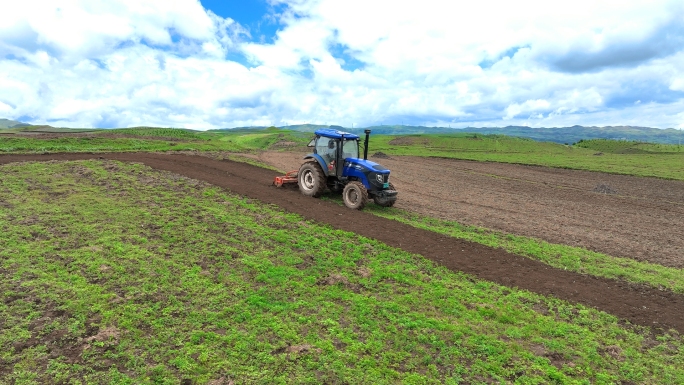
350 149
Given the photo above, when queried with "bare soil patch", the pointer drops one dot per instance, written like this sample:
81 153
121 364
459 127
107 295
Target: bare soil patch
407 141
638 304
619 215
381 155
284 143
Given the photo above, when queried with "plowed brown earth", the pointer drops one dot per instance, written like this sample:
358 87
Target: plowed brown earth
639 305
624 216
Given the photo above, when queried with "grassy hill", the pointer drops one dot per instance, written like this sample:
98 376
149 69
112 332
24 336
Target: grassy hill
576 133
24 128
7 123
562 135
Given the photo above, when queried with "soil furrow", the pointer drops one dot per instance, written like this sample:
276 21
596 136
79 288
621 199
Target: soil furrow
639 305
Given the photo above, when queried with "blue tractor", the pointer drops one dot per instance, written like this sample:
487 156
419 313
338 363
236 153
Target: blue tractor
335 164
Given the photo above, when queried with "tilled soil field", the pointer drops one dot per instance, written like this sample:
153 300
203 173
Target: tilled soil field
640 305
623 216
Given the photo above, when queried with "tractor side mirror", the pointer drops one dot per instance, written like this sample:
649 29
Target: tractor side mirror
312 143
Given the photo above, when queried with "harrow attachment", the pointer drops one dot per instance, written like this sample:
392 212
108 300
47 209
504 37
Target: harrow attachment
290 177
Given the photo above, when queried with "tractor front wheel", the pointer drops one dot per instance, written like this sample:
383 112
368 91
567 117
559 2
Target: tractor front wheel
311 179
355 195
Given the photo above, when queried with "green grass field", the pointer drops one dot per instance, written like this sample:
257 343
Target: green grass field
115 273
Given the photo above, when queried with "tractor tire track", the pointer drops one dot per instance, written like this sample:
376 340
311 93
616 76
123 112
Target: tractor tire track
639 305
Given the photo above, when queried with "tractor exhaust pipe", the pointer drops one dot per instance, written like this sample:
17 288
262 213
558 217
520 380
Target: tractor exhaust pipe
365 145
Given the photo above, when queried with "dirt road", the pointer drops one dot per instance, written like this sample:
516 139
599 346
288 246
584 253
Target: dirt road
640 305
624 216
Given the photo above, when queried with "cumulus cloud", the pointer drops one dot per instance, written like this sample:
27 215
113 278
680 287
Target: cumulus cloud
616 50
77 28
173 63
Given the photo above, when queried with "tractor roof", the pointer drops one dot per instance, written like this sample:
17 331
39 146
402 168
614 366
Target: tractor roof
329 133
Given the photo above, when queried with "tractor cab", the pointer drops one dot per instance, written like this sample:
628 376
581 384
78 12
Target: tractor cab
333 148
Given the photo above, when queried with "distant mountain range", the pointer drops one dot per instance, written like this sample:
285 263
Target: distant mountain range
6 123
555 134
576 133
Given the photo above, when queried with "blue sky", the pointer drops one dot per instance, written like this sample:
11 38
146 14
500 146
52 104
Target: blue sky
257 16
212 64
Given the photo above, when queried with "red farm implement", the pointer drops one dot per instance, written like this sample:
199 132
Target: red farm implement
290 177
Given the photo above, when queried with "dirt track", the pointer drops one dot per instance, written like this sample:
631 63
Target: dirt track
639 305
624 216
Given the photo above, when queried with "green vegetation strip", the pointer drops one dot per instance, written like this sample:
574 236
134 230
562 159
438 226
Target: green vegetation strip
561 256
177 133
115 273
106 143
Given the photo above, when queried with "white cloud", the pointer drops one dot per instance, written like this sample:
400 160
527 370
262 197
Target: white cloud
87 27
528 107
677 84
4 108
164 62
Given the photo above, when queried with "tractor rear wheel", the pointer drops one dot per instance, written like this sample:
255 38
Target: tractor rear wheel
311 179
355 195
385 203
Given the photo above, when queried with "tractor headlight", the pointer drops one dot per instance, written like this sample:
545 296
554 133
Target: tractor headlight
379 178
